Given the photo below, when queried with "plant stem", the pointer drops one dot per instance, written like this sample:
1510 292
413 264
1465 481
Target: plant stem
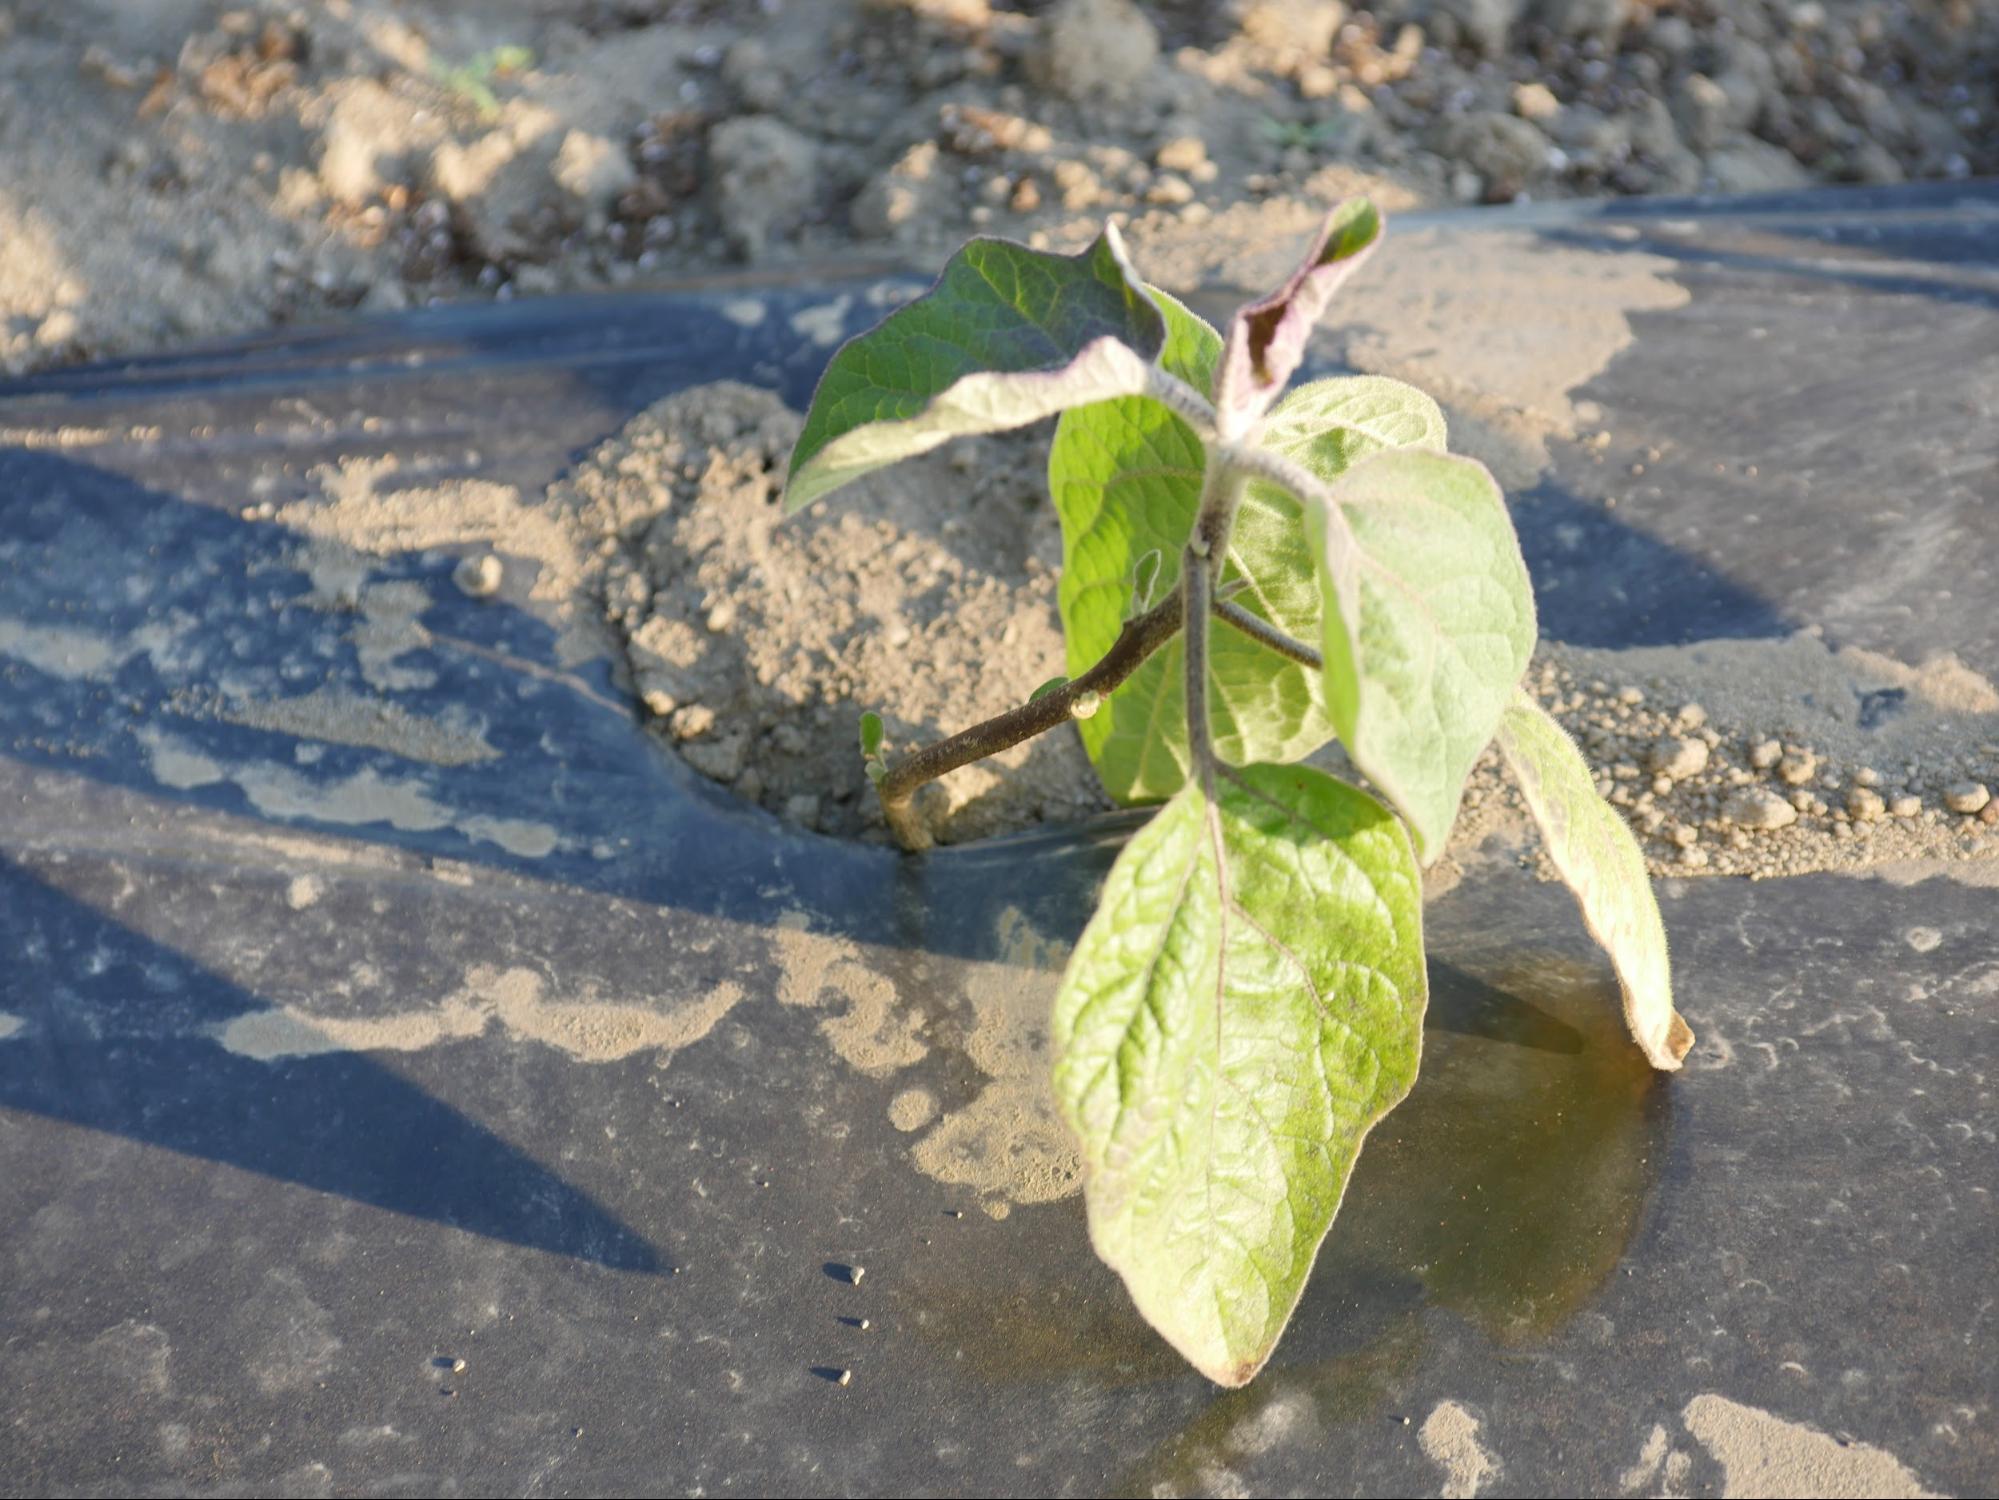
1185 402
1138 639
1264 633
1221 493
1197 584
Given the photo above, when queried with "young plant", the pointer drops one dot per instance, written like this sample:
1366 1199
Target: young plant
1247 574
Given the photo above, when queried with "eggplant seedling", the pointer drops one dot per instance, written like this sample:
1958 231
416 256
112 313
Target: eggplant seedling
1247 573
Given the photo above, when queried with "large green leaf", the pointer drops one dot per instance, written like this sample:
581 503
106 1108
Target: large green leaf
1245 1004
1007 336
1593 848
1428 625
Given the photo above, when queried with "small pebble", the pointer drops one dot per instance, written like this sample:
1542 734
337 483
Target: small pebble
1679 758
1765 755
1906 806
1630 695
1867 776
478 577
1692 715
1694 857
722 616
1183 153
1966 797
1865 804
1759 807
1661 785
1798 769
845 1377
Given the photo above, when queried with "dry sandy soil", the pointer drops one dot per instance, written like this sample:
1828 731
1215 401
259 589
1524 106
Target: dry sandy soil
179 169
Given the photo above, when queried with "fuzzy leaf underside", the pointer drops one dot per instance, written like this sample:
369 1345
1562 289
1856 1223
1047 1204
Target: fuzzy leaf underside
1428 625
1007 336
1245 1004
1593 848
1126 479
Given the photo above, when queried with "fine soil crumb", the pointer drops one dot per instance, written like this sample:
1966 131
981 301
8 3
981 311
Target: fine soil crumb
755 642
330 715
1009 1144
1762 1454
589 1028
1450 1439
912 1109
876 1032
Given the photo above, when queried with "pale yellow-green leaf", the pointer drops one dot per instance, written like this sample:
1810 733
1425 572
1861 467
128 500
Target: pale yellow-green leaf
1593 848
1246 1003
1429 623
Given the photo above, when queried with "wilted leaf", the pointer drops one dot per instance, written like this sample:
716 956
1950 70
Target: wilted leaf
1593 848
1267 339
1008 335
1246 1003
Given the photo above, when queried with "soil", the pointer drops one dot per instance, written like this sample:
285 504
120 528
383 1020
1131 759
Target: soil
754 643
223 167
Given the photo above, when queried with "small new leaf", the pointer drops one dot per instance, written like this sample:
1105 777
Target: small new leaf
1428 624
1008 335
1267 339
1593 848
1245 1004
871 735
1053 684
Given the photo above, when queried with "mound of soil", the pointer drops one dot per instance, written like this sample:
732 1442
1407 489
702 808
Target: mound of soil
754 642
